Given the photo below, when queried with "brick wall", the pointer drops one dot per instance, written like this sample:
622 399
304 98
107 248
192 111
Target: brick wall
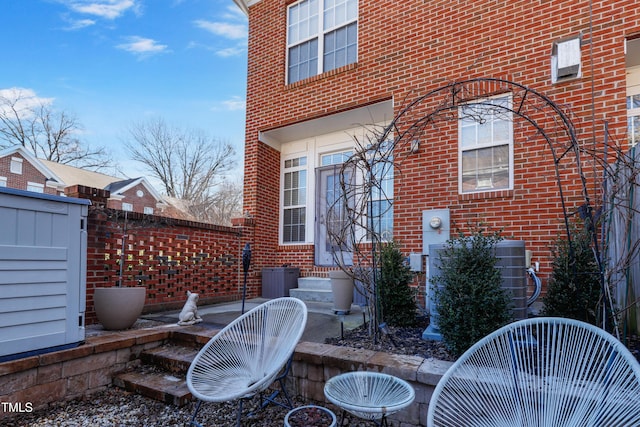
166 256
407 49
29 174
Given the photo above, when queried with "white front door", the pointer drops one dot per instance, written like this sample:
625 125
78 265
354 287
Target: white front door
332 247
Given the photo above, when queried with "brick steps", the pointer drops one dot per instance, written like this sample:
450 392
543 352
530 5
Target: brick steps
156 385
162 374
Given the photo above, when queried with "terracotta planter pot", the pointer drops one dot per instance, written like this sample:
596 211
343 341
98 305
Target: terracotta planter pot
342 289
118 308
310 416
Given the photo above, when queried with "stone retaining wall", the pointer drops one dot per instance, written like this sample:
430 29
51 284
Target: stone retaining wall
34 382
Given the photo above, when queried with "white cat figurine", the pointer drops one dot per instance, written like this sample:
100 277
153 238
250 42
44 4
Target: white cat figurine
189 313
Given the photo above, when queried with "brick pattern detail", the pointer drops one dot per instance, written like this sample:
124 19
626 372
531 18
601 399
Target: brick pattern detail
167 256
407 49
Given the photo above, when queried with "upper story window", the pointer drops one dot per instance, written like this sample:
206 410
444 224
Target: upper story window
322 35
127 207
294 213
3 181
16 165
486 145
148 210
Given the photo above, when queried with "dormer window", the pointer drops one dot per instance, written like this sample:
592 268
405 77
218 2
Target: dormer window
322 35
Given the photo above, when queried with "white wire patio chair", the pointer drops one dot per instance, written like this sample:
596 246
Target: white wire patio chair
246 356
369 395
540 372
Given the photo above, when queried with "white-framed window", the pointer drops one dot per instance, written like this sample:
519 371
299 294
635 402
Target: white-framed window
35 187
3 181
485 145
381 202
148 210
633 104
294 200
16 165
322 35
566 59
127 207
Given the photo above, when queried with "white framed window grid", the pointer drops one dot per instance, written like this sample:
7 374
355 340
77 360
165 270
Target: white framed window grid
16 165
322 35
485 145
35 187
294 200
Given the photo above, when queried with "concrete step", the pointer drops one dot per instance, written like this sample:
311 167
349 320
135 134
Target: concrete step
161 386
171 358
314 283
318 295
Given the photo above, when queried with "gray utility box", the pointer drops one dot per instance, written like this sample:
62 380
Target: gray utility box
277 281
43 253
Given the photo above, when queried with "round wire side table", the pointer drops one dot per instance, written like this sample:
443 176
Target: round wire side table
369 395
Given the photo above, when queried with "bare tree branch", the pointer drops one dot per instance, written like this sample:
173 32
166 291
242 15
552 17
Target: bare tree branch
49 134
190 164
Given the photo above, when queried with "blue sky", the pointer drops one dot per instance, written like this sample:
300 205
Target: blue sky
112 63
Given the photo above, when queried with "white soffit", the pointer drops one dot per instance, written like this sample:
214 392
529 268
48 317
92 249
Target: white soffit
362 116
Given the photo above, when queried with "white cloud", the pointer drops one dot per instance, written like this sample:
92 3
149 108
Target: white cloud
107 9
231 51
223 29
78 24
142 46
234 104
23 100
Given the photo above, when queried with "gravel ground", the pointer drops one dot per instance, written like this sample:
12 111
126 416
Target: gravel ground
118 408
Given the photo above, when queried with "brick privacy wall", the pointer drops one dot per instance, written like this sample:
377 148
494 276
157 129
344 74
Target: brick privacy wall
166 256
407 49
29 174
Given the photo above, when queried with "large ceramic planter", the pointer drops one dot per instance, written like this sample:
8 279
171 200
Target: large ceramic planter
342 289
310 416
118 308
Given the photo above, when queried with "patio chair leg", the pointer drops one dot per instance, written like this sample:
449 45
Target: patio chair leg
285 399
239 416
193 417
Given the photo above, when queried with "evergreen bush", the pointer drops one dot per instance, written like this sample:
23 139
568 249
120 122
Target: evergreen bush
574 287
397 298
470 299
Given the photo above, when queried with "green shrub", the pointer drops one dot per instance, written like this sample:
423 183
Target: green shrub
397 298
470 299
573 290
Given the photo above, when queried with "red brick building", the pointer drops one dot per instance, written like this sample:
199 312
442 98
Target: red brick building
21 170
321 73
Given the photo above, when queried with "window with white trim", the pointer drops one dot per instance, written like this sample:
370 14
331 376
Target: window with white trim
381 203
3 181
294 196
148 210
322 35
633 103
486 145
127 207
16 165
35 187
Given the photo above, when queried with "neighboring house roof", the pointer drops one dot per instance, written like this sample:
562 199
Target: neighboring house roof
75 176
50 174
120 187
